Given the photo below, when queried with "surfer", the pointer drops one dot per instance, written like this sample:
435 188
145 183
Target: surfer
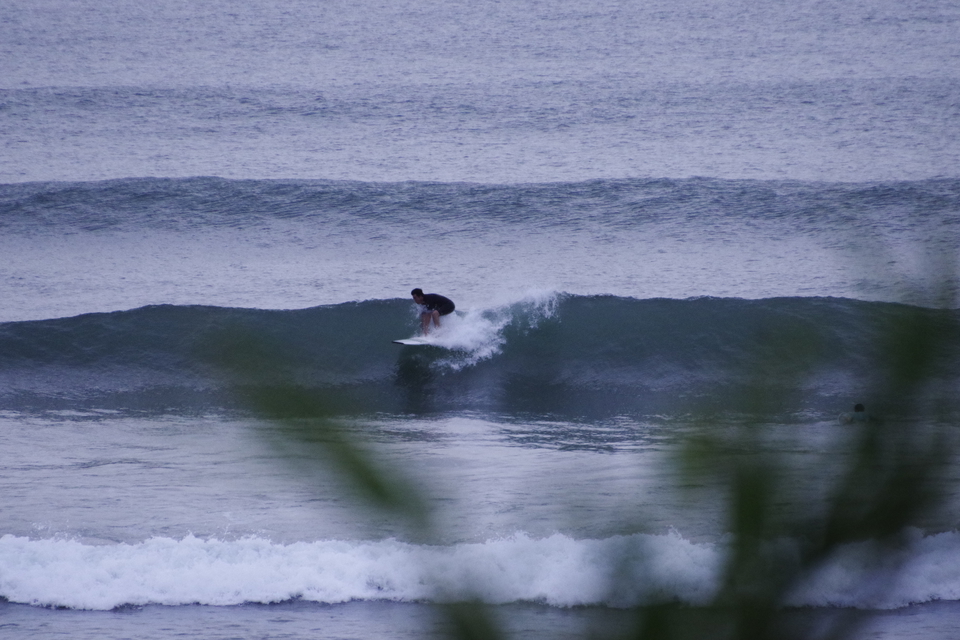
432 306
859 415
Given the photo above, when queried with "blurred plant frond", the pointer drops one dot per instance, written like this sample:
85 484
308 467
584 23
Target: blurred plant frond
785 521
893 476
308 416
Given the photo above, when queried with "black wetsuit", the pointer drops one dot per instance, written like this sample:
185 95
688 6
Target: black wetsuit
436 302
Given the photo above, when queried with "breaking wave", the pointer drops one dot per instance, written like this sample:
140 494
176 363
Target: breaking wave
550 353
622 571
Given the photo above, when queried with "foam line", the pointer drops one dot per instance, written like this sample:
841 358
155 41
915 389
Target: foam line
558 571
621 571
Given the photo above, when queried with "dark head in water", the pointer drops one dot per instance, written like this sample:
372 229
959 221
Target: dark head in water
859 415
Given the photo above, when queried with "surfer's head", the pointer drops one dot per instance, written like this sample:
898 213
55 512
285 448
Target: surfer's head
417 295
859 408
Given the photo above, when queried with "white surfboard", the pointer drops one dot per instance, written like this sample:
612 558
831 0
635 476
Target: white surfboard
413 341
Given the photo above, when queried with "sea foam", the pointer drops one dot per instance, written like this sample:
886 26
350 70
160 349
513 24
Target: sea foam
557 570
621 571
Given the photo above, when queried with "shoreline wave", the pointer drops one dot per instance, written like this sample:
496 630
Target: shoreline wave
559 571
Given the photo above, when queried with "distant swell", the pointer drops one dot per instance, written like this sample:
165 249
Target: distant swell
557 354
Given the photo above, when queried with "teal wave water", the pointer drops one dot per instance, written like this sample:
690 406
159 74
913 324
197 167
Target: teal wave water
557 354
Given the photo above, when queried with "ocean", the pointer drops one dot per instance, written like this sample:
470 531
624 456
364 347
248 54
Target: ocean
684 239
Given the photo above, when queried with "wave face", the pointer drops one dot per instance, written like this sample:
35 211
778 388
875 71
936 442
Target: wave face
552 354
558 571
